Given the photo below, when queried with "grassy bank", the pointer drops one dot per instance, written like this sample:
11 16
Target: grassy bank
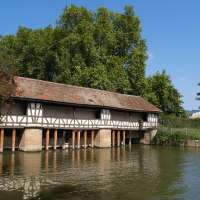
175 136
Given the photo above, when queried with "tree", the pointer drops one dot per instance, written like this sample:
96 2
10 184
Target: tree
198 94
102 49
7 85
162 93
103 40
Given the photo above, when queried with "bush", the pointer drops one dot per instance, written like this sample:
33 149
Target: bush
175 139
176 122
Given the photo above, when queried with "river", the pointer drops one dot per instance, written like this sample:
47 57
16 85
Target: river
139 172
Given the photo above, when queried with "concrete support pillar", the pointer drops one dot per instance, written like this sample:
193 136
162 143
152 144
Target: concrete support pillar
103 138
63 139
47 140
13 139
129 138
73 139
55 139
31 140
1 140
118 138
78 139
92 138
148 136
124 137
113 138
85 139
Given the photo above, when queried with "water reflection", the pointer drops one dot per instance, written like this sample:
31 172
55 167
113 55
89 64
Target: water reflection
142 172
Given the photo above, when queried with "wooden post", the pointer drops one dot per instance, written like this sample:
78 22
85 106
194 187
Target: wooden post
55 139
129 138
92 138
78 139
118 138
13 139
63 140
85 139
73 139
124 137
47 140
1 140
113 138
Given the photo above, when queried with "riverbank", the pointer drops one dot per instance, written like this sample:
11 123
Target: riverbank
177 137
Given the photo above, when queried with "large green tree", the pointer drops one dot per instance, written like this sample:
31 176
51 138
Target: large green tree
101 49
162 93
7 85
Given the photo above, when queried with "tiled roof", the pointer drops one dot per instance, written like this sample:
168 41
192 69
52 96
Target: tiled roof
33 89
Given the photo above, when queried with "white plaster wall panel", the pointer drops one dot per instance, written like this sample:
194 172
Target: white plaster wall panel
105 114
53 111
82 113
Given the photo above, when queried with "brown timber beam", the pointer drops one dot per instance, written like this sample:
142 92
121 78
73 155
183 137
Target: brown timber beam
85 139
47 140
55 139
113 138
13 139
118 138
92 138
78 139
124 137
1 140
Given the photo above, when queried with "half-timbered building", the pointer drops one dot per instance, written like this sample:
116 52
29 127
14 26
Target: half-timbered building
50 115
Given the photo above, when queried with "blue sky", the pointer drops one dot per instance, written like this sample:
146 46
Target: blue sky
171 28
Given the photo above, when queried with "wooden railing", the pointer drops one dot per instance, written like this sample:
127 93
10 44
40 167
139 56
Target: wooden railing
10 121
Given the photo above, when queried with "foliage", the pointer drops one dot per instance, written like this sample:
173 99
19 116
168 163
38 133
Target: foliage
6 82
175 139
162 93
101 49
198 94
177 122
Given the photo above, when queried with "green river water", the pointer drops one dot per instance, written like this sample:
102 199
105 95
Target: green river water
139 172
